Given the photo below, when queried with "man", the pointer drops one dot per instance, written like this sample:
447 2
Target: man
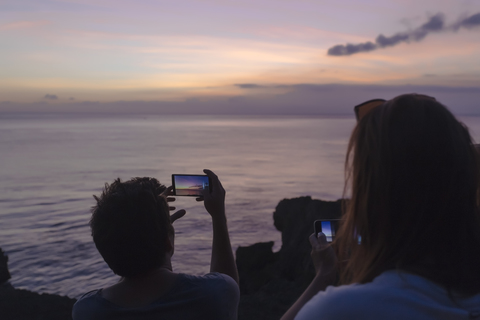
132 229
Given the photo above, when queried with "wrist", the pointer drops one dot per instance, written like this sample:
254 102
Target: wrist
326 277
219 219
219 211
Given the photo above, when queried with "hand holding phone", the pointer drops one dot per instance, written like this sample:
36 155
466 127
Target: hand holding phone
323 255
214 200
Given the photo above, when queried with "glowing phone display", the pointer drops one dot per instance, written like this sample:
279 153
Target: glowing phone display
328 227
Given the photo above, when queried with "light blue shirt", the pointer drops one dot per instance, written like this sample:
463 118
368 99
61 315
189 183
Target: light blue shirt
392 295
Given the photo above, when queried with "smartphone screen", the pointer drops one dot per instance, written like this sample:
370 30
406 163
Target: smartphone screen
328 227
328 230
190 184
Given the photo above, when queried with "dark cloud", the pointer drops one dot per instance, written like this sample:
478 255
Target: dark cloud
468 23
383 41
248 85
298 99
345 50
237 99
51 96
436 23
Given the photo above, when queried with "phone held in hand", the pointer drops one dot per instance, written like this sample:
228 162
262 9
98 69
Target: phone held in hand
328 226
193 185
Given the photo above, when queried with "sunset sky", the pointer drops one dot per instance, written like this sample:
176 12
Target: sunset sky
246 56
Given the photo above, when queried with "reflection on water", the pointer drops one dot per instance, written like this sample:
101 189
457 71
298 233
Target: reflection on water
50 167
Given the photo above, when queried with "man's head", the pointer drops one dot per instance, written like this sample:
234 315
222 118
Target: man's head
131 226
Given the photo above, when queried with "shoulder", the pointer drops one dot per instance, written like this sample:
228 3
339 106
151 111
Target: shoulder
388 293
86 305
89 294
213 282
212 296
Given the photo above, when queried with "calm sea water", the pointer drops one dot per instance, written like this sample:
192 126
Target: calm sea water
50 167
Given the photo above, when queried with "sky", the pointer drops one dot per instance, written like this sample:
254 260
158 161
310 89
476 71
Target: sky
235 57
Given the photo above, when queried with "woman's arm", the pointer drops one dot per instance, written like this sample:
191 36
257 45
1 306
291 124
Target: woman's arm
324 260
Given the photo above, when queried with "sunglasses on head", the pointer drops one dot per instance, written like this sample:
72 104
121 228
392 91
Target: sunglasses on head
362 109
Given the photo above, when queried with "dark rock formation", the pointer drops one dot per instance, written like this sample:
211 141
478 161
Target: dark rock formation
17 304
270 282
4 274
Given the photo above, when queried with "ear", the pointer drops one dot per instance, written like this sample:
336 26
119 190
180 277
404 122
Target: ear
169 245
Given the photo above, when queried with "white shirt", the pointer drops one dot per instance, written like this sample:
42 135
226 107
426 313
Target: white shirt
391 295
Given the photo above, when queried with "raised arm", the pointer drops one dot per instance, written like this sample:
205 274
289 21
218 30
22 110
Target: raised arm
222 255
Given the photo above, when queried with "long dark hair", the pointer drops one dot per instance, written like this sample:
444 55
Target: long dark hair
414 175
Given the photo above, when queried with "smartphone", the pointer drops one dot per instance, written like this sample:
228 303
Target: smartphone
193 185
328 227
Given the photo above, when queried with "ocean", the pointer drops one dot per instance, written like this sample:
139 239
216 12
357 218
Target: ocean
51 165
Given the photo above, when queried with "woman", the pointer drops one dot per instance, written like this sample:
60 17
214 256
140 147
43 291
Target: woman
409 246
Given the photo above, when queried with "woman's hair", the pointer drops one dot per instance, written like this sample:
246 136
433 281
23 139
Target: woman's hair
130 226
414 175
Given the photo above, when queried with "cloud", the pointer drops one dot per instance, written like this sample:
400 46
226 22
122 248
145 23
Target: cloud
51 96
298 99
248 85
436 23
468 23
348 49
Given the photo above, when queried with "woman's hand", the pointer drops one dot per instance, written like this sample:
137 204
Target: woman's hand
323 256
324 260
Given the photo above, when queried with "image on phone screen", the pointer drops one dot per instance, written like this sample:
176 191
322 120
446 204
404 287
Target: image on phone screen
328 227
190 185
328 230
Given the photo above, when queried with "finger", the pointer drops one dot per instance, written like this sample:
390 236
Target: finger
212 176
320 239
167 192
171 208
313 239
209 173
170 199
199 199
177 215
216 184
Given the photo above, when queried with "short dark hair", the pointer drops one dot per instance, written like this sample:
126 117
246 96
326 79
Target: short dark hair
130 225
